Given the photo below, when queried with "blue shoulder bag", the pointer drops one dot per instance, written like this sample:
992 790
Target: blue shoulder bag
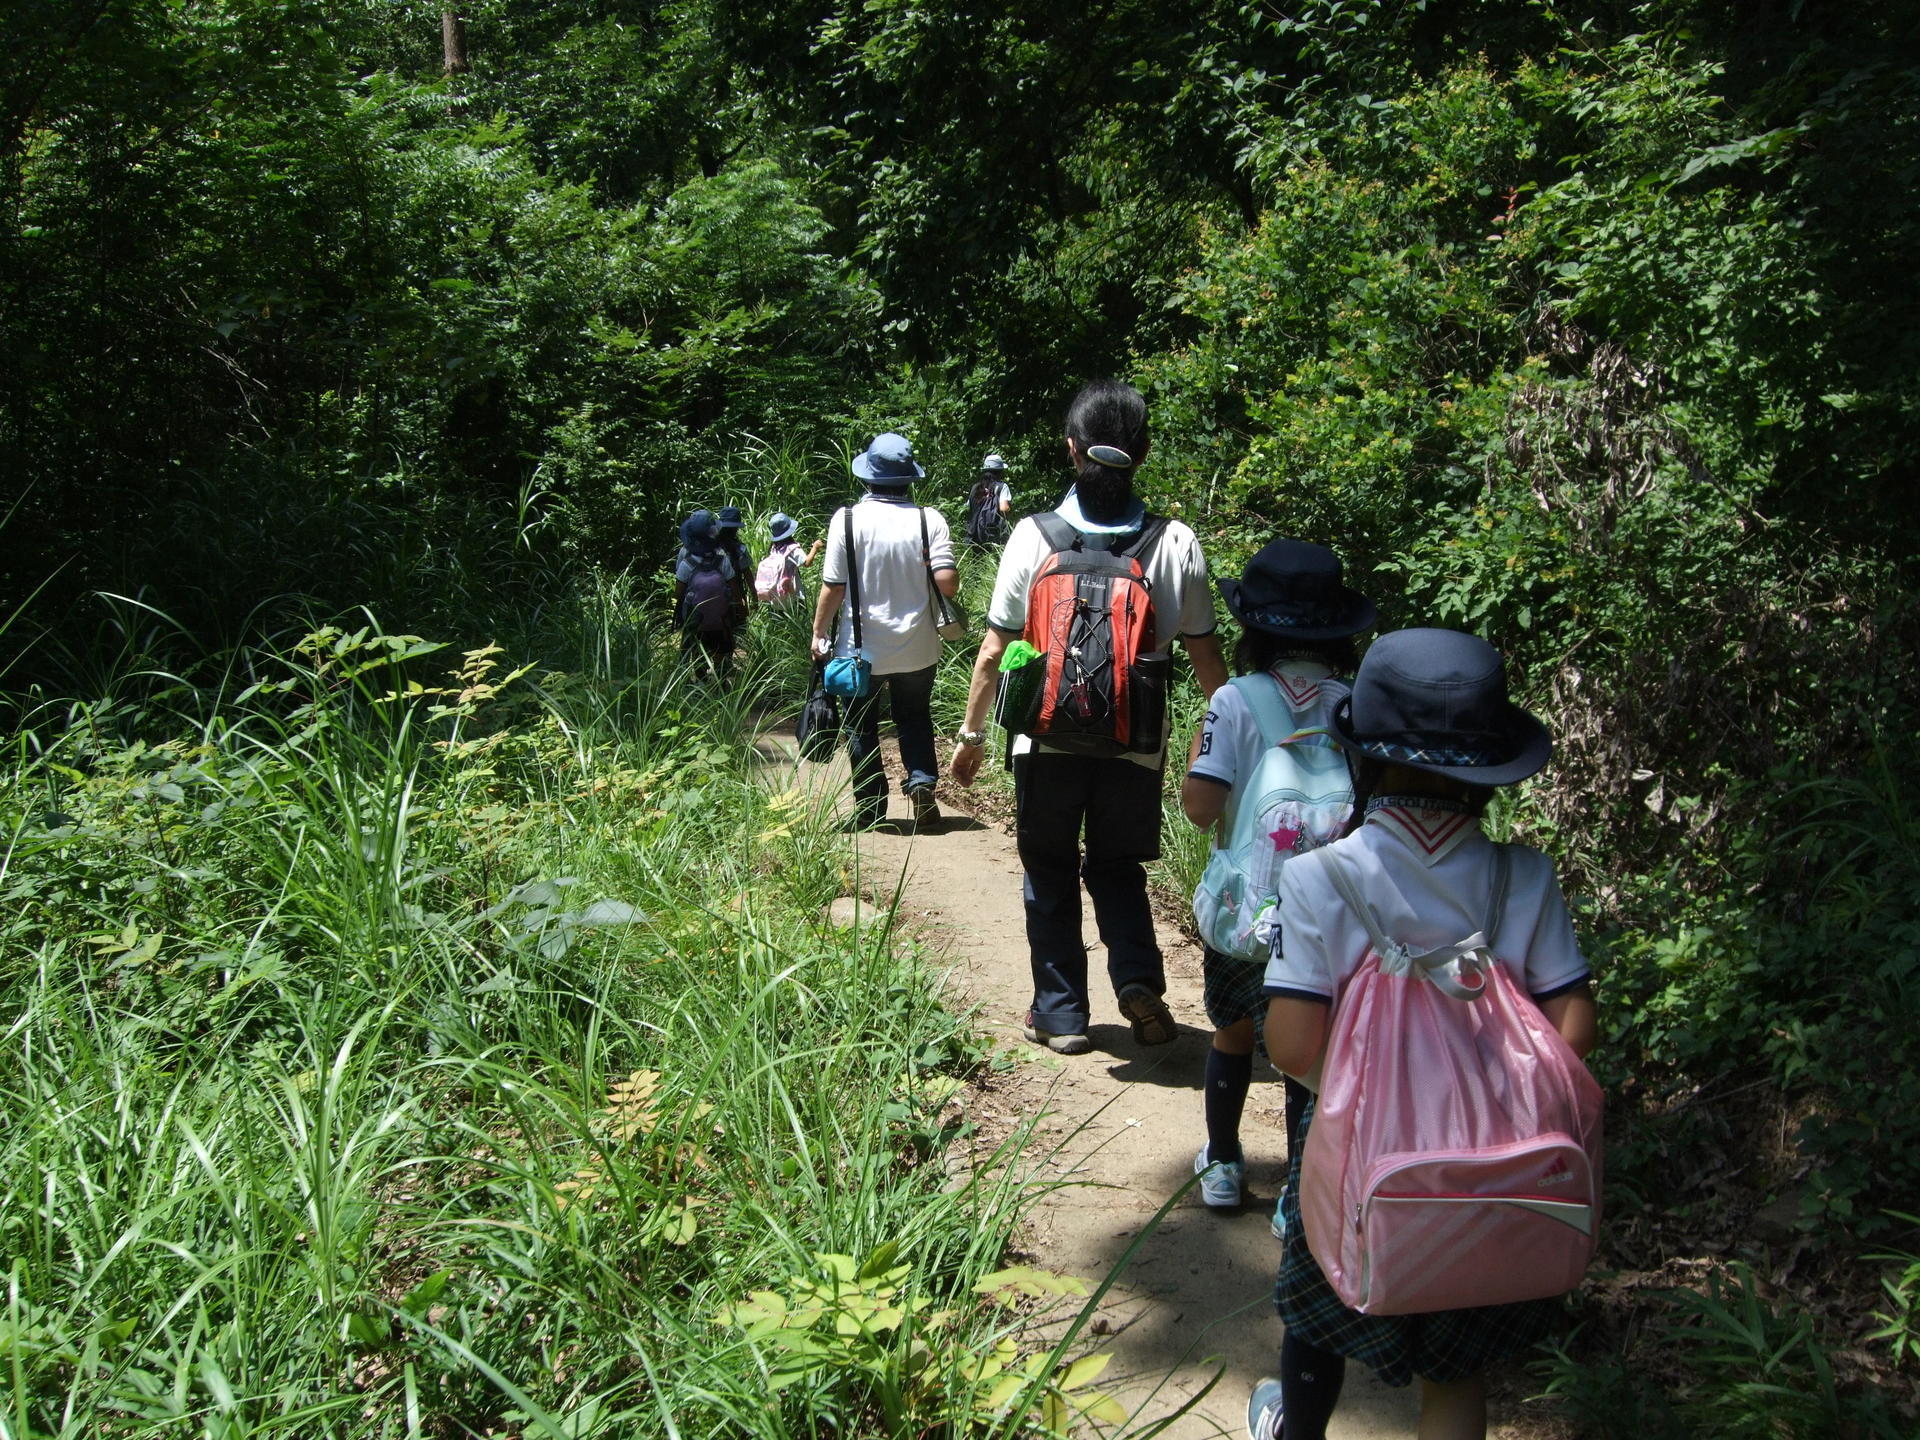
850 676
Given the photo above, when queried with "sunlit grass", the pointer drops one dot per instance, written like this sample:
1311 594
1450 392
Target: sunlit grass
401 1052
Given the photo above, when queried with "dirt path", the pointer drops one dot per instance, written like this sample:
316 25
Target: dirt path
1122 1125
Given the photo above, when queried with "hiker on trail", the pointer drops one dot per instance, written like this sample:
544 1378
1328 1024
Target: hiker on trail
1459 954
989 504
885 554
777 578
739 557
1265 771
703 592
1089 597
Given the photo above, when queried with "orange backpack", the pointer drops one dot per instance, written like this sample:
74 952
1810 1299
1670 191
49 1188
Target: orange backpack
1090 614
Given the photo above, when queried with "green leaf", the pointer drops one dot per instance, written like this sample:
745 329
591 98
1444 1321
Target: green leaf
417 1301
880 1261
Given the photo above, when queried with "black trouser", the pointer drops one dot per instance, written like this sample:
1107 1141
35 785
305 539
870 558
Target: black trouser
1117 804
910 697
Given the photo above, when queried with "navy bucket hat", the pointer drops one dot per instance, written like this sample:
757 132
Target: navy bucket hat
1436 700
1293 588
728 516
698 527
887 461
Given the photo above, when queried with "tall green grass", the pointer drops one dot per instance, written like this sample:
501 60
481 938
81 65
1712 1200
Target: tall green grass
401 1043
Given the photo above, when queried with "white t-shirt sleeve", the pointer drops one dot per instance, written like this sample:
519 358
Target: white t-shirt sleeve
1024 551
1196 596
833 570
1219 757
1299 964
939 542
1554 961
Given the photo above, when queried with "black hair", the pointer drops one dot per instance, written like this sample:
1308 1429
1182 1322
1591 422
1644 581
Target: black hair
1106 412
1367 773
1259 650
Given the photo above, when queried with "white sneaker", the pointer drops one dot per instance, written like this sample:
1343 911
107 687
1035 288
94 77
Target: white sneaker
1220 1180
1263 1411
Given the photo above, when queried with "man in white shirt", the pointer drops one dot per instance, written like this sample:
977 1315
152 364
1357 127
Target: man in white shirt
1113 801
902 552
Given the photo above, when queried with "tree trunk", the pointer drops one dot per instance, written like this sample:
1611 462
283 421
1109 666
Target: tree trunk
453 41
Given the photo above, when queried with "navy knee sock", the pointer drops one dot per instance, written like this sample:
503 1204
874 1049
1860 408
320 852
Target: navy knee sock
1228 1077
1310 1381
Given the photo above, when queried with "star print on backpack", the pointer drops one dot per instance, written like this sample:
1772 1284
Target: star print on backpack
1297 799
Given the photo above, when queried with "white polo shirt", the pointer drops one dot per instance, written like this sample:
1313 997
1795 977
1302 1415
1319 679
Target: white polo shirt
1427 874
897 627
1176 572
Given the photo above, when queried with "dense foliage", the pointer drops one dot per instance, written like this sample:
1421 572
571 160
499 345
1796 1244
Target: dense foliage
1589 328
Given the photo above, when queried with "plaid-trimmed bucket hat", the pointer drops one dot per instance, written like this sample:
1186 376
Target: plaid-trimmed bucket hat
1294 588
1436 700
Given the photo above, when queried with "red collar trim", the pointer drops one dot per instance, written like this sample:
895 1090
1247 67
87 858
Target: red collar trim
1431 833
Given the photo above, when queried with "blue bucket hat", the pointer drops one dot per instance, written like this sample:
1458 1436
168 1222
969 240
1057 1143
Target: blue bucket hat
1436 700
698 528
887 461
781 527
728 517
1293 588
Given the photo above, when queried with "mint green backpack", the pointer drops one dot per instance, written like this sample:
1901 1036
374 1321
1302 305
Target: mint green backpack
1297 799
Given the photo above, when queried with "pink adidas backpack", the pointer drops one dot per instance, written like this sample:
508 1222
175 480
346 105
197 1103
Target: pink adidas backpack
1454 1155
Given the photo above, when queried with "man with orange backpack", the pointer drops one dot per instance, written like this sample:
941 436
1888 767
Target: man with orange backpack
1095 592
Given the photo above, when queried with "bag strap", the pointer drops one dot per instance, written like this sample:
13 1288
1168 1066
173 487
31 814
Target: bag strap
853 580
1265 706
1458 970
1497 900
1267 703
1343 883
926 559
1058 534
1145 539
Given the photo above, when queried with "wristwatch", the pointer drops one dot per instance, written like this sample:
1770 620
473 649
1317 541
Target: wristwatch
970 737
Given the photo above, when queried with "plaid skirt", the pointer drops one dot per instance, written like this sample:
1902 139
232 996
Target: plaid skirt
1234 990
1444 1345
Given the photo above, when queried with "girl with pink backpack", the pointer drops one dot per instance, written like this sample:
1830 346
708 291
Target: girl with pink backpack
1426 986
778 577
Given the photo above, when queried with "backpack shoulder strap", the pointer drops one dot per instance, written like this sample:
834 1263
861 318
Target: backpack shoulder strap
853 579
1497 898
1145 539
1269 708
1343 883
1058 534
